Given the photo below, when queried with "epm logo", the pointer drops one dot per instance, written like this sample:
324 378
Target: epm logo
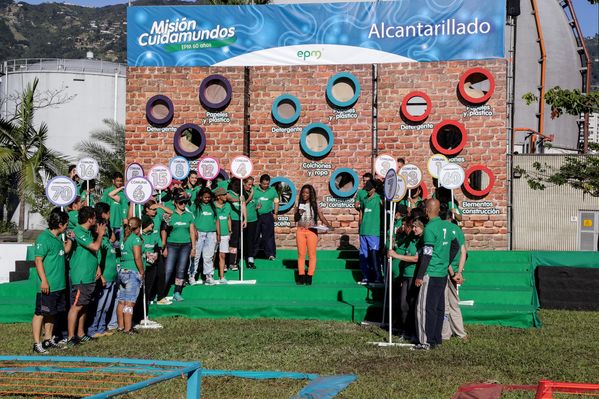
306 55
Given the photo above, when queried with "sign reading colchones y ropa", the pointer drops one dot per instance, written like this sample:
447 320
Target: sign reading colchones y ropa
316 33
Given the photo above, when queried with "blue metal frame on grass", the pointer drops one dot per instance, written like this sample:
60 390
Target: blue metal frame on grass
190 369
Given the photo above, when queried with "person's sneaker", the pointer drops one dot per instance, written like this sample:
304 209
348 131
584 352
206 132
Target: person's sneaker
251 265
131 332
193 281
49 344
177 297
363 282
164 301
223 281
61 343
210 281
39 349
421 347
234 268
108 333
86 338
271 258
72 342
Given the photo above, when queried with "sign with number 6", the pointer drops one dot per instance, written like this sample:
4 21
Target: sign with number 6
139 190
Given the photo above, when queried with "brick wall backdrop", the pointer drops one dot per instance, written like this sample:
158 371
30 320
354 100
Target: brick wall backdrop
279 154
487 137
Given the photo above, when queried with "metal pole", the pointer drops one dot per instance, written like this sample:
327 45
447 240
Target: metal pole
87 190
241 233
390 279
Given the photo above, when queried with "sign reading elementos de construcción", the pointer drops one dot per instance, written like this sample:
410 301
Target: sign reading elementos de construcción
318 33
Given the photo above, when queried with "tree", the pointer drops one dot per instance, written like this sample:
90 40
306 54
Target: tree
24 155
107 146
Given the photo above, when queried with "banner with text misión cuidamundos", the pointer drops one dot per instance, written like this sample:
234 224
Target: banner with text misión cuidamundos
316 33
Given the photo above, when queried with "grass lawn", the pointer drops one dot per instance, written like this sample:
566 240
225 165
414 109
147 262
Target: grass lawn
566 348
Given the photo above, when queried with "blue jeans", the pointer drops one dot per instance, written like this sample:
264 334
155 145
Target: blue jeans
105 310
177 261
206 246
369 262
129 285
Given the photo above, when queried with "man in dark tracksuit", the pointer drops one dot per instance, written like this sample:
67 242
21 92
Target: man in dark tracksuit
431 277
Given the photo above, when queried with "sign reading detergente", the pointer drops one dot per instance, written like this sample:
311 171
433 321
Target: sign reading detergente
316 33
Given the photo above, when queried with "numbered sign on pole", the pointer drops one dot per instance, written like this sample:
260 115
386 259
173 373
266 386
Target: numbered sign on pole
412 174
452 176
384 163
402 188
390 184
435 164
134 170
61 191
87 169
208 168
242 167
139 190
160 177
179 168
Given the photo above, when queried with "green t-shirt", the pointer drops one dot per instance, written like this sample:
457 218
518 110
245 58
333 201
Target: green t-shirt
361 195
205 218
266 199
250 209
108 260
438 234
73 219
150 244
371 216
224 213
118 210
457 234
127 255
84 261
180 228
51 249
193 193
83 196
235 206
409 246
157 220
408 204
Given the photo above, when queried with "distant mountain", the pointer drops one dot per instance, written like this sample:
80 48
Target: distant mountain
56 30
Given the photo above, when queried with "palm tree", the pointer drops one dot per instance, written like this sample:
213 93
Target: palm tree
23 152
107 146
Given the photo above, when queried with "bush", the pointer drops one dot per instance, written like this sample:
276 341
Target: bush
7 227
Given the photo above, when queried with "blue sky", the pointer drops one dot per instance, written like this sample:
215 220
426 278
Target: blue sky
588 14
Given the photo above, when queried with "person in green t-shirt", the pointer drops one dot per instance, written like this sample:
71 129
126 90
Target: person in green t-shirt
361 194
150 251
208 234
223 211
250 240
370 235
267 205
192 186
73 211
131 275
50 252
431 277
87 190
180 244
84 271
103 307
453 323
408 247
119 204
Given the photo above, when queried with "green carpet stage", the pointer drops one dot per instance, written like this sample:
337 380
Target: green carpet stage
500 283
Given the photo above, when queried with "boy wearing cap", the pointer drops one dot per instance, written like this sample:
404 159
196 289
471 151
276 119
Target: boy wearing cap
370 234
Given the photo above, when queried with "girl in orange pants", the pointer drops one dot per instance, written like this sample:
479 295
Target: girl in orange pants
307 216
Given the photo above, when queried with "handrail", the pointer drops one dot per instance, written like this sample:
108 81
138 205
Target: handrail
535 10
63 65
